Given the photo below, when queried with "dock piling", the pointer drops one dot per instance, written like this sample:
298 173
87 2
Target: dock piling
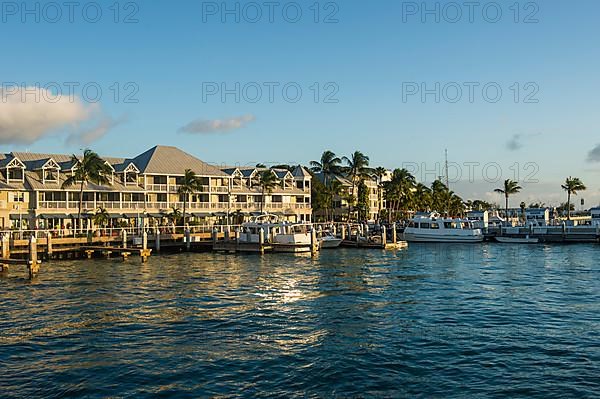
5 246
383 236
33 264
48 245
124 235
394 234
188 241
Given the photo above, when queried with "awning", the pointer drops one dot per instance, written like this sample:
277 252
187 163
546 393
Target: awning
256 213
134 215
53 216
202 214
115 216
18 216
156 215
84 215
289 212
219 214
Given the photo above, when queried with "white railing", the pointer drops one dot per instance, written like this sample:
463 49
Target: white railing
156 187
133 205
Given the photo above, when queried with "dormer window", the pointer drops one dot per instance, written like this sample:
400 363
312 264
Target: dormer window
15 171
50 171
130 175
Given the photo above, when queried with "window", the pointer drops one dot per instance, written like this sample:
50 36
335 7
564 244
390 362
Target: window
300 185
160 179
435 226
161 197
424 225
276 198
18 197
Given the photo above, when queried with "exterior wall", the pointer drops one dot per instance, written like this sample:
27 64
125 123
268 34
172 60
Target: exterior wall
148 196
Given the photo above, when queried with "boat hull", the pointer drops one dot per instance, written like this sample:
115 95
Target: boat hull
517 240
415 237
331 243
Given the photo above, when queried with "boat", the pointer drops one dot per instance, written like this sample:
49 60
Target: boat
433 228
517 240
328 240
282 236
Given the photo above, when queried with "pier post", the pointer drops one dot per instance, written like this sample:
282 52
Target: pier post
358 235
5 246
124 236
394 234
215 236
157 240
34 267
188 241
227 234
334 231
314 243
261 240
383 236
343 228
144 240
48 245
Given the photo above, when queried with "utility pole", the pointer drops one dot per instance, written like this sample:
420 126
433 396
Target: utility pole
447 182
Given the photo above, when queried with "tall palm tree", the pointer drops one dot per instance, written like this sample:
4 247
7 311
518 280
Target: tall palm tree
328 166
510 187
87 169
268 181
189 184
399 191
357 168
572 186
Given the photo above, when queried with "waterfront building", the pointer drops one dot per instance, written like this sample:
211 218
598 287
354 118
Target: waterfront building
340 202
144 187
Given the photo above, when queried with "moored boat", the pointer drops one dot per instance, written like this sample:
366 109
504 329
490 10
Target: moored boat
517 240
328 240
433 228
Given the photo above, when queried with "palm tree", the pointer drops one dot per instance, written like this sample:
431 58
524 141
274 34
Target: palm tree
101 217
88 169
399 191
329 166
357 168
572 186
175 214
510 187
268 181
189 184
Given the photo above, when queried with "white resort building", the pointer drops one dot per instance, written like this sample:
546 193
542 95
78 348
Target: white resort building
143 187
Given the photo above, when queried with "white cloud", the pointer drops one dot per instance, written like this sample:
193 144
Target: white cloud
96 130
30 114
217 125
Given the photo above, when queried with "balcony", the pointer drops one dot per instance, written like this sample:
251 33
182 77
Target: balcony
156 187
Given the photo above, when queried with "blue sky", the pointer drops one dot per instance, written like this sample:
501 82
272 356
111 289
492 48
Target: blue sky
370 57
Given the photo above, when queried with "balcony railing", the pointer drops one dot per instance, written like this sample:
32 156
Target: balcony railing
133 205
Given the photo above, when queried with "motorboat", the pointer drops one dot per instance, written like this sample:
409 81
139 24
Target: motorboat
328 240
517 240
283 236
433 228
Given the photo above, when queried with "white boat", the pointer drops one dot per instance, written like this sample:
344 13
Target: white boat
283 236
517 240
328 240
433 228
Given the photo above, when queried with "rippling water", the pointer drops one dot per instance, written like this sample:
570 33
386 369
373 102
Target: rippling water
434 320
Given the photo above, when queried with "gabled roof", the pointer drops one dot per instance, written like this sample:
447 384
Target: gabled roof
11 160
164 160
283 173
342 180
300 171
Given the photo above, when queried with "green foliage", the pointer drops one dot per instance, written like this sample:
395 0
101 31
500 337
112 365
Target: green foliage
363 201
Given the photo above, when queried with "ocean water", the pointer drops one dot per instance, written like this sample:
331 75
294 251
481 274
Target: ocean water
445 321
